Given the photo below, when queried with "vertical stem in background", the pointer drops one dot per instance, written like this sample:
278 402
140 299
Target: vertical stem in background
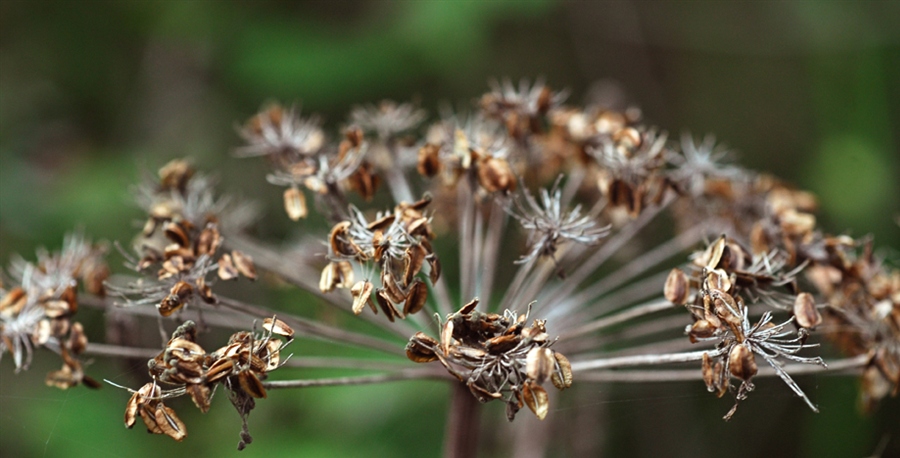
461 436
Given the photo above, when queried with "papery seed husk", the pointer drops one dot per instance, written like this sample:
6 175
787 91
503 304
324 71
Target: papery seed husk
361 292
562 376
805 311
226 270
415 257
435 268
251 384
329 278
393 292
131 409
495 174
220 369
381 224
742 363
503 343
676 289
148 414
468 308
539 364
345 271
385 304
276 326
77 339
446 337
701 329
244 264
471 353
415 301
419 348
536 399
200 395
429 163
208 241
295 203
177 233
13 302
169 423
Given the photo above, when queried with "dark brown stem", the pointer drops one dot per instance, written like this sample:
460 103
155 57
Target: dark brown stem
461 438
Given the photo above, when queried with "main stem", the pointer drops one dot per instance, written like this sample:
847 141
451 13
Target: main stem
461 438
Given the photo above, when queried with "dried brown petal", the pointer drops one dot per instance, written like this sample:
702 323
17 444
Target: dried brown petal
805 311
676 289
295 203
536 399
244 264
742 363
418 294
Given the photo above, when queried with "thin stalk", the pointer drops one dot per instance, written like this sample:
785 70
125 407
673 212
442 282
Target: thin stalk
467 204
118 351
514 288
640 290
847 366
619 317
461 437
644 360
409 374
496 226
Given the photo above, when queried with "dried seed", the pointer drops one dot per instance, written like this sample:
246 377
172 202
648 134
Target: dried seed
199 393
251 384
220 369
169 423
329 279
77 340
468 308
502 344
208 241
295 203
539 364
276 326
434 272
244 264
415 301
386 306
419 349
742 363
13 302
381 224
429 163
227 270
148 414
177 233
676 289
805 311
415 257
495 174
536 399
447 337
700 330
176 299
562 376
361 292
394 293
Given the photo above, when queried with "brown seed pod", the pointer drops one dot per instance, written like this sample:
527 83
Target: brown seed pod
429 163
295 203
419 349
805 311
362 294
415 301
250 383
742 363
536 399
169 423
176 299
495 174
227 270
700 330
276 326
677 290
386 306
539 364
562 376
177 233
244 264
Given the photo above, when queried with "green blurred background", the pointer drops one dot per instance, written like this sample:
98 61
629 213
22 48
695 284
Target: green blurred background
91 93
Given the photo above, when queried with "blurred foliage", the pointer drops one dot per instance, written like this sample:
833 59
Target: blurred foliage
94 92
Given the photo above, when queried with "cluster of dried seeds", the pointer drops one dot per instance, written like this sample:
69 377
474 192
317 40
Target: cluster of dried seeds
38 310
181 240
240 367
497 357
398 244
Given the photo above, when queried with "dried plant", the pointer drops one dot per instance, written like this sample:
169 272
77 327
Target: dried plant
543 280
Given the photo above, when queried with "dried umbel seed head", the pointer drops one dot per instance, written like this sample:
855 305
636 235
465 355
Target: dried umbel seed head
805 311
677 290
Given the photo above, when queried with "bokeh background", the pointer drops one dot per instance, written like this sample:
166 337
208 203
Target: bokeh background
92 93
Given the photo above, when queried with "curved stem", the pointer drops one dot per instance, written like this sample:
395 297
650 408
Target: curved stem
410 374
644 360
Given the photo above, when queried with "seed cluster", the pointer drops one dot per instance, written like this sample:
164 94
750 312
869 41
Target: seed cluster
497 357
240 367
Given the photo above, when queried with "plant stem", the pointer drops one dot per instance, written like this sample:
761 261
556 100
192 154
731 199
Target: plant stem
461 437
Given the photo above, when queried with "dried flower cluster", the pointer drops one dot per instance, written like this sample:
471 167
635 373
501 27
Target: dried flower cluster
497 357
37 309
181 241
240 367
548 200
